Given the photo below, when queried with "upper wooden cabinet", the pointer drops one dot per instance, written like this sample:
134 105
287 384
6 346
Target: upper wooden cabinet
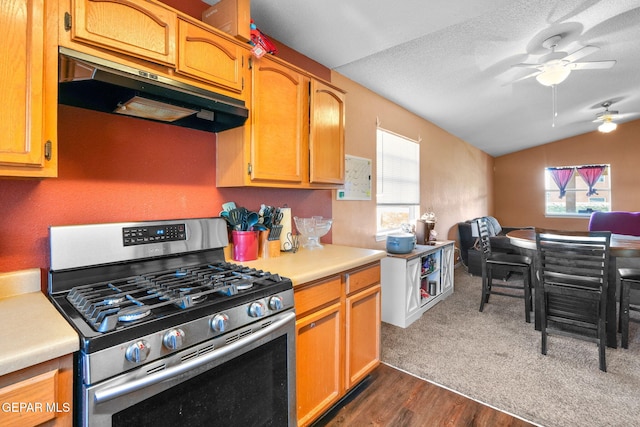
134 27
208 57
279 127
295 136
28 82
326 141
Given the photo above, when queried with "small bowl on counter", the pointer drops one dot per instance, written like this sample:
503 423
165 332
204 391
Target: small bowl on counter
312 229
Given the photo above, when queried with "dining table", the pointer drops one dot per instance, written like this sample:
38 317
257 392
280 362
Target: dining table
622 246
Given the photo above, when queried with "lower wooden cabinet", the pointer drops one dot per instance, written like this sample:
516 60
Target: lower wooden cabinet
338 337
363 334
318 354
38 395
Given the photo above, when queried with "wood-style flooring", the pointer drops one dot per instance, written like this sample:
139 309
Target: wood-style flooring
395 398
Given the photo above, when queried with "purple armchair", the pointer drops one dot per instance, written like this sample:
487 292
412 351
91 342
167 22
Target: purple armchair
627 223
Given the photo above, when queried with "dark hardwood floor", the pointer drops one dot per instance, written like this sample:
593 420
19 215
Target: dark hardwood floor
394 398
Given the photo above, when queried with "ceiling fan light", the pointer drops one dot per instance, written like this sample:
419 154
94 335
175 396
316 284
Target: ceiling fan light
553 75
607 126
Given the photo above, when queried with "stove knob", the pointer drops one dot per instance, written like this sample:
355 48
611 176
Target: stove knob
220 322
275 303
256 309
138 351
173 339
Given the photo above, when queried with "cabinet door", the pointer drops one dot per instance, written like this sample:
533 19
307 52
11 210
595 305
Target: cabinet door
134 27
326 140
318 351
49 384
363 334
280 123
28 83
412 285
447 268
209 57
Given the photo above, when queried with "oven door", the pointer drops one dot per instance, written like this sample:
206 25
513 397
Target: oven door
247 382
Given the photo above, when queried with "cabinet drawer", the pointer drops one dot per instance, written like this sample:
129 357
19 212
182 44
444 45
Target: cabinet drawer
363 278
34 394
317 294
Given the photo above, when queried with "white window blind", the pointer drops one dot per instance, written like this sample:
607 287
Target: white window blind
398 170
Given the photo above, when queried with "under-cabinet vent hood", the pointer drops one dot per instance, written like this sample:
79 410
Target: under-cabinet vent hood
89 82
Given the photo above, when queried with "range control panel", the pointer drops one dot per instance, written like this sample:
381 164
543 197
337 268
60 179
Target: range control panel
153 234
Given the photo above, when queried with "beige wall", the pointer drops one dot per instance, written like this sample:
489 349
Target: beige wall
456 178
519 182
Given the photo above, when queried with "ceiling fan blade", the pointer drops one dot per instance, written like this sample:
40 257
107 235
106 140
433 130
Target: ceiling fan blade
581 53
525 65
594 65
604 117
615 116
535 73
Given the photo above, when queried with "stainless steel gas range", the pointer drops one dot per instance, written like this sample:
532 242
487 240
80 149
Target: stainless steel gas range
170 333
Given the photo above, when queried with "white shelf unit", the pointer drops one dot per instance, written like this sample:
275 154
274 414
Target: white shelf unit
408 282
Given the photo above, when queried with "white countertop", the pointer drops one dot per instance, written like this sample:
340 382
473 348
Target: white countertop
32 329
308 265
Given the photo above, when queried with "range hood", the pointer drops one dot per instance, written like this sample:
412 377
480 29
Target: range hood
90 82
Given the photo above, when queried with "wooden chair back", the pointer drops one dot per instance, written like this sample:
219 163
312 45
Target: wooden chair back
573 274
575 262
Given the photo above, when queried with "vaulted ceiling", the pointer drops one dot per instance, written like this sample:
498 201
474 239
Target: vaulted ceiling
452 63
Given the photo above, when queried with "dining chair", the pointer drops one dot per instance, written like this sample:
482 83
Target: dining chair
629 280
512 262
573 275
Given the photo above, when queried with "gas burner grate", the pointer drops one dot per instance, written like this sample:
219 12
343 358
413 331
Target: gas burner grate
105 305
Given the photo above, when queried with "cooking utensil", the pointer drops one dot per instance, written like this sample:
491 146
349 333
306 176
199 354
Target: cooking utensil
228 206
274 233
277 217
267 215
251 220
235 219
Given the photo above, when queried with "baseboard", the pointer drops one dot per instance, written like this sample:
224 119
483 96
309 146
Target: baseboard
351 394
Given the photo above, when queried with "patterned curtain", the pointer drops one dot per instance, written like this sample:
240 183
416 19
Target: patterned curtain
591 175
561 176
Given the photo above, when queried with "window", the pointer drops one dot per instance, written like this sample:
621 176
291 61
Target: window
577 190
398 181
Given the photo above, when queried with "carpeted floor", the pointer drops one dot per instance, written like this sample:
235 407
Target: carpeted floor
494 357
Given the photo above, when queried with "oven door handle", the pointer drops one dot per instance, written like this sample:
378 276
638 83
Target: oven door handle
130 387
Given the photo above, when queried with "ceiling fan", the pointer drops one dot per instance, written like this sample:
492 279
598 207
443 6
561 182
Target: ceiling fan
606 118
555 67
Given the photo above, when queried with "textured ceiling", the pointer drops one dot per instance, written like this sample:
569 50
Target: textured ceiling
451 62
